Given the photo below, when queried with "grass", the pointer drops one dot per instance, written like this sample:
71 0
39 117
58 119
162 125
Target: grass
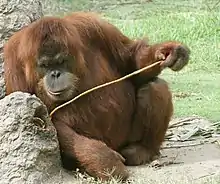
199 28
201 32
193 22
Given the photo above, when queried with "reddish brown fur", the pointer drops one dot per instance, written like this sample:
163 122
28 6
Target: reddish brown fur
130 117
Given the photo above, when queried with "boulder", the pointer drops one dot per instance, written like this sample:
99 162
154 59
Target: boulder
29 149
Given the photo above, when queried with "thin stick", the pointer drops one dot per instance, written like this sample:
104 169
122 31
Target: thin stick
182 146
105 84
188 145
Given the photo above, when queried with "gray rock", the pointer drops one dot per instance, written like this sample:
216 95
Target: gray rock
2 82
29 150
15 14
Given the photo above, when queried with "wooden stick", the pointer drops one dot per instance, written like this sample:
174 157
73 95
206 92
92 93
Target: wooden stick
105 84
183 146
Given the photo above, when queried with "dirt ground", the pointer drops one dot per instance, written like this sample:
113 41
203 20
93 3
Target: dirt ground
189 164
190 160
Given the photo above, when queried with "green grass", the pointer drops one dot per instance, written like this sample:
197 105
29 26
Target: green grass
198 28
193 22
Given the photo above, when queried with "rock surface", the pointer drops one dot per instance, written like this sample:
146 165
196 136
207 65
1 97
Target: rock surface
15 14
2 82
29 149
